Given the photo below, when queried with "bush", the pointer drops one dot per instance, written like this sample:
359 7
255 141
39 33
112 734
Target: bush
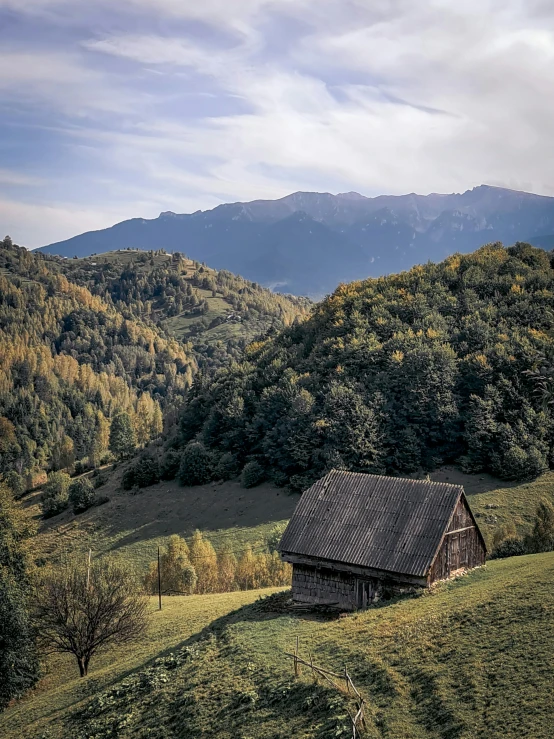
196 465
15 483
55 498
519 464
512 547
252 474
169 466
81 494
143 473
228 467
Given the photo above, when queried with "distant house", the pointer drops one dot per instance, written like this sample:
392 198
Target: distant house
353 535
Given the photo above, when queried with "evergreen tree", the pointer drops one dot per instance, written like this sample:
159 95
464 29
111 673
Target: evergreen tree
122 436
19 666
196 465
81 494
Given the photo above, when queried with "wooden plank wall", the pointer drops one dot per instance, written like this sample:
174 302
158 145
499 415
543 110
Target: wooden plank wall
461 550
323 586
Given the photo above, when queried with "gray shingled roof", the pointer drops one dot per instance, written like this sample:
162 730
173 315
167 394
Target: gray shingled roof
385 523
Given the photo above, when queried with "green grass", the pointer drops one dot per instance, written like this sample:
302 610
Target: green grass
472 658
133 526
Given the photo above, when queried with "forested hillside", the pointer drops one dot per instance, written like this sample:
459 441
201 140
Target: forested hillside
218 312
70 363
449 362
84 342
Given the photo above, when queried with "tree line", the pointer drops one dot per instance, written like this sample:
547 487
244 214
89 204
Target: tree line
197 567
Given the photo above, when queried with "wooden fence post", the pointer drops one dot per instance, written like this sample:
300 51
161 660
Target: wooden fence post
159 583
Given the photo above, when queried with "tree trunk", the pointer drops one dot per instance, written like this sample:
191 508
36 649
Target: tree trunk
83 666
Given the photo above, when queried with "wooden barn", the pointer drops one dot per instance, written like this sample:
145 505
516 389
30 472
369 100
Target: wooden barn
353 536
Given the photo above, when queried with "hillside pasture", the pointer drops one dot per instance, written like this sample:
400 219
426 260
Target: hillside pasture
133 526
472 658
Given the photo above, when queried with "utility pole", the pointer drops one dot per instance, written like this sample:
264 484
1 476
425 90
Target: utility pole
88 568
159 582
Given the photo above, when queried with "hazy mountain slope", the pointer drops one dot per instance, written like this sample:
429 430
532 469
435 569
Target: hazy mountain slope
277 242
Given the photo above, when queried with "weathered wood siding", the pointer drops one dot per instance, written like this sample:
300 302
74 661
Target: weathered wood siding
323 587
462 549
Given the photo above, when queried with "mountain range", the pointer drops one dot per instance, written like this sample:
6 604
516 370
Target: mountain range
306 243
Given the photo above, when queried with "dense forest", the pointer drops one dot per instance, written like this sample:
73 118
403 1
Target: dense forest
449 362
217 312
73 359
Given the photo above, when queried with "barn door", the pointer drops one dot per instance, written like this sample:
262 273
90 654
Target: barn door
454 552
464 549
365 593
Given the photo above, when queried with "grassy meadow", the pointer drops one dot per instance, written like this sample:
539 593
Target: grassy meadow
472 658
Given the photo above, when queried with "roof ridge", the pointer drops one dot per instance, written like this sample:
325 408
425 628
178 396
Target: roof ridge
399 479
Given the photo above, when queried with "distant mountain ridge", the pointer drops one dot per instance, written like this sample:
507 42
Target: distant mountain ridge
306 243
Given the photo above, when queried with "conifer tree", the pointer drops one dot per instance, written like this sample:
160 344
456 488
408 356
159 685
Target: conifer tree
122 436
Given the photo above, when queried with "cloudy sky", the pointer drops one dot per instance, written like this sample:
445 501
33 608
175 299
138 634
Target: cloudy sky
118 108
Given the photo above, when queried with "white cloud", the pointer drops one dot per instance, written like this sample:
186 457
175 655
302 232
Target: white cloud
34 224
388 96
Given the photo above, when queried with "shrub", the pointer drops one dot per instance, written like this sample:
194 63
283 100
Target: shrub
15 483
169 466
196 465
228 467
512 547
55 497
519 464
252 474
81 494
143 473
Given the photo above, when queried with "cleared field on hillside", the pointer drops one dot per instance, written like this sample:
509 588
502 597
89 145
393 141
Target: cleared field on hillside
471 659
133 526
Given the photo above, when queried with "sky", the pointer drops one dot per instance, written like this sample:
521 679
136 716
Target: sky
114 109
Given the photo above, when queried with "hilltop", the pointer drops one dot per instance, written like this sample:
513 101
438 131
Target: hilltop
472 658
306 243
216 312
447 363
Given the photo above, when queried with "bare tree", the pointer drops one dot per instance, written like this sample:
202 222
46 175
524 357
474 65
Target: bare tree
81 610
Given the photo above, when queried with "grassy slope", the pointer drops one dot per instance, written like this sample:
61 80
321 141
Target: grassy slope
133 526
471 659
